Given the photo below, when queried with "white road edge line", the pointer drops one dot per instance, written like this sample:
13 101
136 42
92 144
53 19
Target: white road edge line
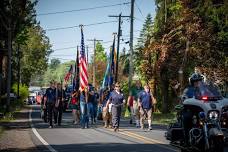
38 135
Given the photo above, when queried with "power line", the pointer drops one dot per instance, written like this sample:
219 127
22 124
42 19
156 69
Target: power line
83 9
139 9
61 28
72 47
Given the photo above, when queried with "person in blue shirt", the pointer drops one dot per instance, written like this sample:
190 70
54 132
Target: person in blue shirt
116 98
50 95
145 101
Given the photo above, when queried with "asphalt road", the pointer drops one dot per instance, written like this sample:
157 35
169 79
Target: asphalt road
69 137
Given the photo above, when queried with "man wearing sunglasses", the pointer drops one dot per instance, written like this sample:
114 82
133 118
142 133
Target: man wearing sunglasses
116 99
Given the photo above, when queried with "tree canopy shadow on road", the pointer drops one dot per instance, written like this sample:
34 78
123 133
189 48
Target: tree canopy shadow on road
97 147
100 147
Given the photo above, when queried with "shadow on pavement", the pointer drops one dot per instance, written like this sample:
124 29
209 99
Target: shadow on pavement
98 147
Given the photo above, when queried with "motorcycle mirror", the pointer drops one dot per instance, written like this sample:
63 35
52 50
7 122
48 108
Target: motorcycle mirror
202 115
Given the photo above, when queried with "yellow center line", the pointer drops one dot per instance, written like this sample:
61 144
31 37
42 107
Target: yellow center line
139 138
146 140
152 140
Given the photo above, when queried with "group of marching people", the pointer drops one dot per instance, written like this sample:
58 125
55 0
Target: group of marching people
84 106
140 104
87 104
52 103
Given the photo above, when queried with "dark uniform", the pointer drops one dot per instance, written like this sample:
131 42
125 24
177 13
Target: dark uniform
116 99
51 98
59 108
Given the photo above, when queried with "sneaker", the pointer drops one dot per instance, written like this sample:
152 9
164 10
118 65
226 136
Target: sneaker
50 126
115 129
150 128
142 127
137 126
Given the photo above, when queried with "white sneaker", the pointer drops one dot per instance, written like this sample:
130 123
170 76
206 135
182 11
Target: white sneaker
150 128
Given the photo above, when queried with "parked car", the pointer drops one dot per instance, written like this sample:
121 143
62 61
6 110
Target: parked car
31 98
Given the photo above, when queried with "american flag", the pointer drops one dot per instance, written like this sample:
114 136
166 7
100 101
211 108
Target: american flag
83 65
67 76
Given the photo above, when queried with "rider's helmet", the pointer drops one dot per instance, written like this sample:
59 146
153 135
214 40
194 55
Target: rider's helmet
195 77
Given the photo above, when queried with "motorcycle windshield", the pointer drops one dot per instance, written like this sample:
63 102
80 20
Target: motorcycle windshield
208 91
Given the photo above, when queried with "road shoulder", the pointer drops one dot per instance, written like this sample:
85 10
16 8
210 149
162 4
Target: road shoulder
16 135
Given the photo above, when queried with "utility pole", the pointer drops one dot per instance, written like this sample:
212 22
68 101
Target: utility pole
131 44
94 60
9 66
118 42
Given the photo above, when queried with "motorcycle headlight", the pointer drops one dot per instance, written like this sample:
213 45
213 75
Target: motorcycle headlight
213 115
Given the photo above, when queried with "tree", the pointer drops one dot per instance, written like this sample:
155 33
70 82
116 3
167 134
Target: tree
100 53
35 54
15 16
54 63
100 64
145 34
186 34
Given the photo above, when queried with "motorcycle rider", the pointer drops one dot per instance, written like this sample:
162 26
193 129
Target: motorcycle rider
190 92
193 90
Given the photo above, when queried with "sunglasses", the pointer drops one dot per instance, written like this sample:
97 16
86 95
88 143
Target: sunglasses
117 86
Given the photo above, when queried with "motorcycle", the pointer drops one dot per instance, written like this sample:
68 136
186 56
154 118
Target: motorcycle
202 121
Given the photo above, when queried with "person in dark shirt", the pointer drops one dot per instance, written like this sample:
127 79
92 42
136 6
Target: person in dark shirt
145 103
90 108
75 106
50 101
58 110
116 98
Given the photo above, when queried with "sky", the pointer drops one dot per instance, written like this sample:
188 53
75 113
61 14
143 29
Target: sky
64 41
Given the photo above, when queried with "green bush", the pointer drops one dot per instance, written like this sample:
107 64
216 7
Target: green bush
23 91
125 90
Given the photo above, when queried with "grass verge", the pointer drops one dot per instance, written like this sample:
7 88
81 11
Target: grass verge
1 131
163 119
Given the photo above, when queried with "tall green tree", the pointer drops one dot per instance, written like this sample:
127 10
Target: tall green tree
54 63
35 54
145 34
186 34
100 64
